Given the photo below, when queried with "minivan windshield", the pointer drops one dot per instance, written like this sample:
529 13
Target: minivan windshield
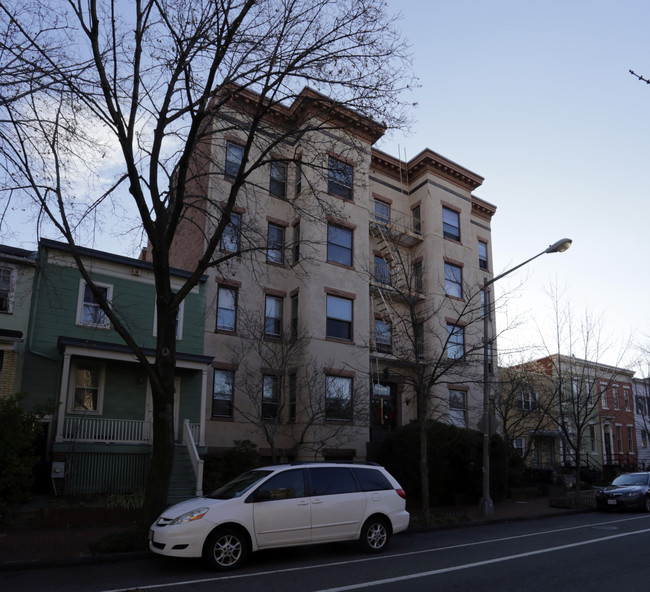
239 485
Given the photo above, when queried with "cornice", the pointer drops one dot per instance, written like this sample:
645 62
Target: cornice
425 162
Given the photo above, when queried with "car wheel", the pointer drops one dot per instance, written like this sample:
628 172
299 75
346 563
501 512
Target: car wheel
226 548
375 534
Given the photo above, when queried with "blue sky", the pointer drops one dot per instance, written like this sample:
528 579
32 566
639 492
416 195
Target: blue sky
536 97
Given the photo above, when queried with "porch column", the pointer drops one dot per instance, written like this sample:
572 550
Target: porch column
65 377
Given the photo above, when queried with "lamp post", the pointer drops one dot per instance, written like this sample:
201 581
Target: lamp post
486 504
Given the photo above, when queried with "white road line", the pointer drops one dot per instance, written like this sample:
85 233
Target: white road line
434 572
382 557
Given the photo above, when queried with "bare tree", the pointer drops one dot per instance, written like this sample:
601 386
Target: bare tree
579 377
284 393
106 105
427 340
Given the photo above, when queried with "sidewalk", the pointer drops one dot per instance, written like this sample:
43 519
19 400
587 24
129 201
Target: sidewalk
35 546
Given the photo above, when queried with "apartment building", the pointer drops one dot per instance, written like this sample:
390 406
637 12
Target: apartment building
341 273
592 406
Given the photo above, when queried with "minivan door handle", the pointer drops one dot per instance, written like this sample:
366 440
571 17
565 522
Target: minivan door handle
317 501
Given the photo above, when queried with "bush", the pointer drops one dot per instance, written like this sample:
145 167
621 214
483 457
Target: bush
455 462
221 467
17 457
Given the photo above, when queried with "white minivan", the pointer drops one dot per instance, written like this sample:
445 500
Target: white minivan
282 506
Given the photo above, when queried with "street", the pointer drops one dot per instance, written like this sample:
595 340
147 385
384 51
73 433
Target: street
583 551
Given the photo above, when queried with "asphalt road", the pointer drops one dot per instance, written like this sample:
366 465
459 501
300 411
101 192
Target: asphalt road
582 552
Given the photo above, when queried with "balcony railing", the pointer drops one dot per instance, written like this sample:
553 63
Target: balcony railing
124 431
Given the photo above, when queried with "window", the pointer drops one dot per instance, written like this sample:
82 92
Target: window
285 485
179 320
453 280
275 244
418 338
383 339
617 405
278 180
296 242
298 177
294 317
372 480
417 220
519 444
270 396
339 245
527 401
382 212
458 408
331 481
227 308
418 278
455 341
273 317
234 156
86 387
482 255
626 398
603 395
230 236
640 405
618 431
339 317
293 396
592 438
88 311
338 398
7 281
223 393
339 178
630 439
644 438
382 271
450 224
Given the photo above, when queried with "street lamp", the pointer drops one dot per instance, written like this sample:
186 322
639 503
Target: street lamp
486 504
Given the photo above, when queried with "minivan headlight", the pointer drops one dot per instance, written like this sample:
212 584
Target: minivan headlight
190 516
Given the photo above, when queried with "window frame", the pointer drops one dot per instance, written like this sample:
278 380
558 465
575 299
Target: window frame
295 247
451 230
453 280
483 255
340 178
382 271
10 291
275 320
232 165
335 248
383 337
381 217
332 398
82 364
179 320
454 346
227 401
231 237
458 414
278 176
416 214
275 243
81 304
274 383
235 290
295 318
334 322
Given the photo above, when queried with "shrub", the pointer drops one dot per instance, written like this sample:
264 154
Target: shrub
221 467
18 431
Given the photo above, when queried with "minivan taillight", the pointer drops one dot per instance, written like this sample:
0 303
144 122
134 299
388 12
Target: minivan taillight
401 493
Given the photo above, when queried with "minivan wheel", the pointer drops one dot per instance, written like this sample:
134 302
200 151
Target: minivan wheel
375 534
646 503
226 548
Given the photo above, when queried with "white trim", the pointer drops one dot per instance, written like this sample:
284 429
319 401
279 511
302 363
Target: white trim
179 322
72 387
81 302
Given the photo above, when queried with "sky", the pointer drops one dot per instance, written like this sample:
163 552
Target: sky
537 98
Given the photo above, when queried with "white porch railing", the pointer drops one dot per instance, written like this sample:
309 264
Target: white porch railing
97 429
189 439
